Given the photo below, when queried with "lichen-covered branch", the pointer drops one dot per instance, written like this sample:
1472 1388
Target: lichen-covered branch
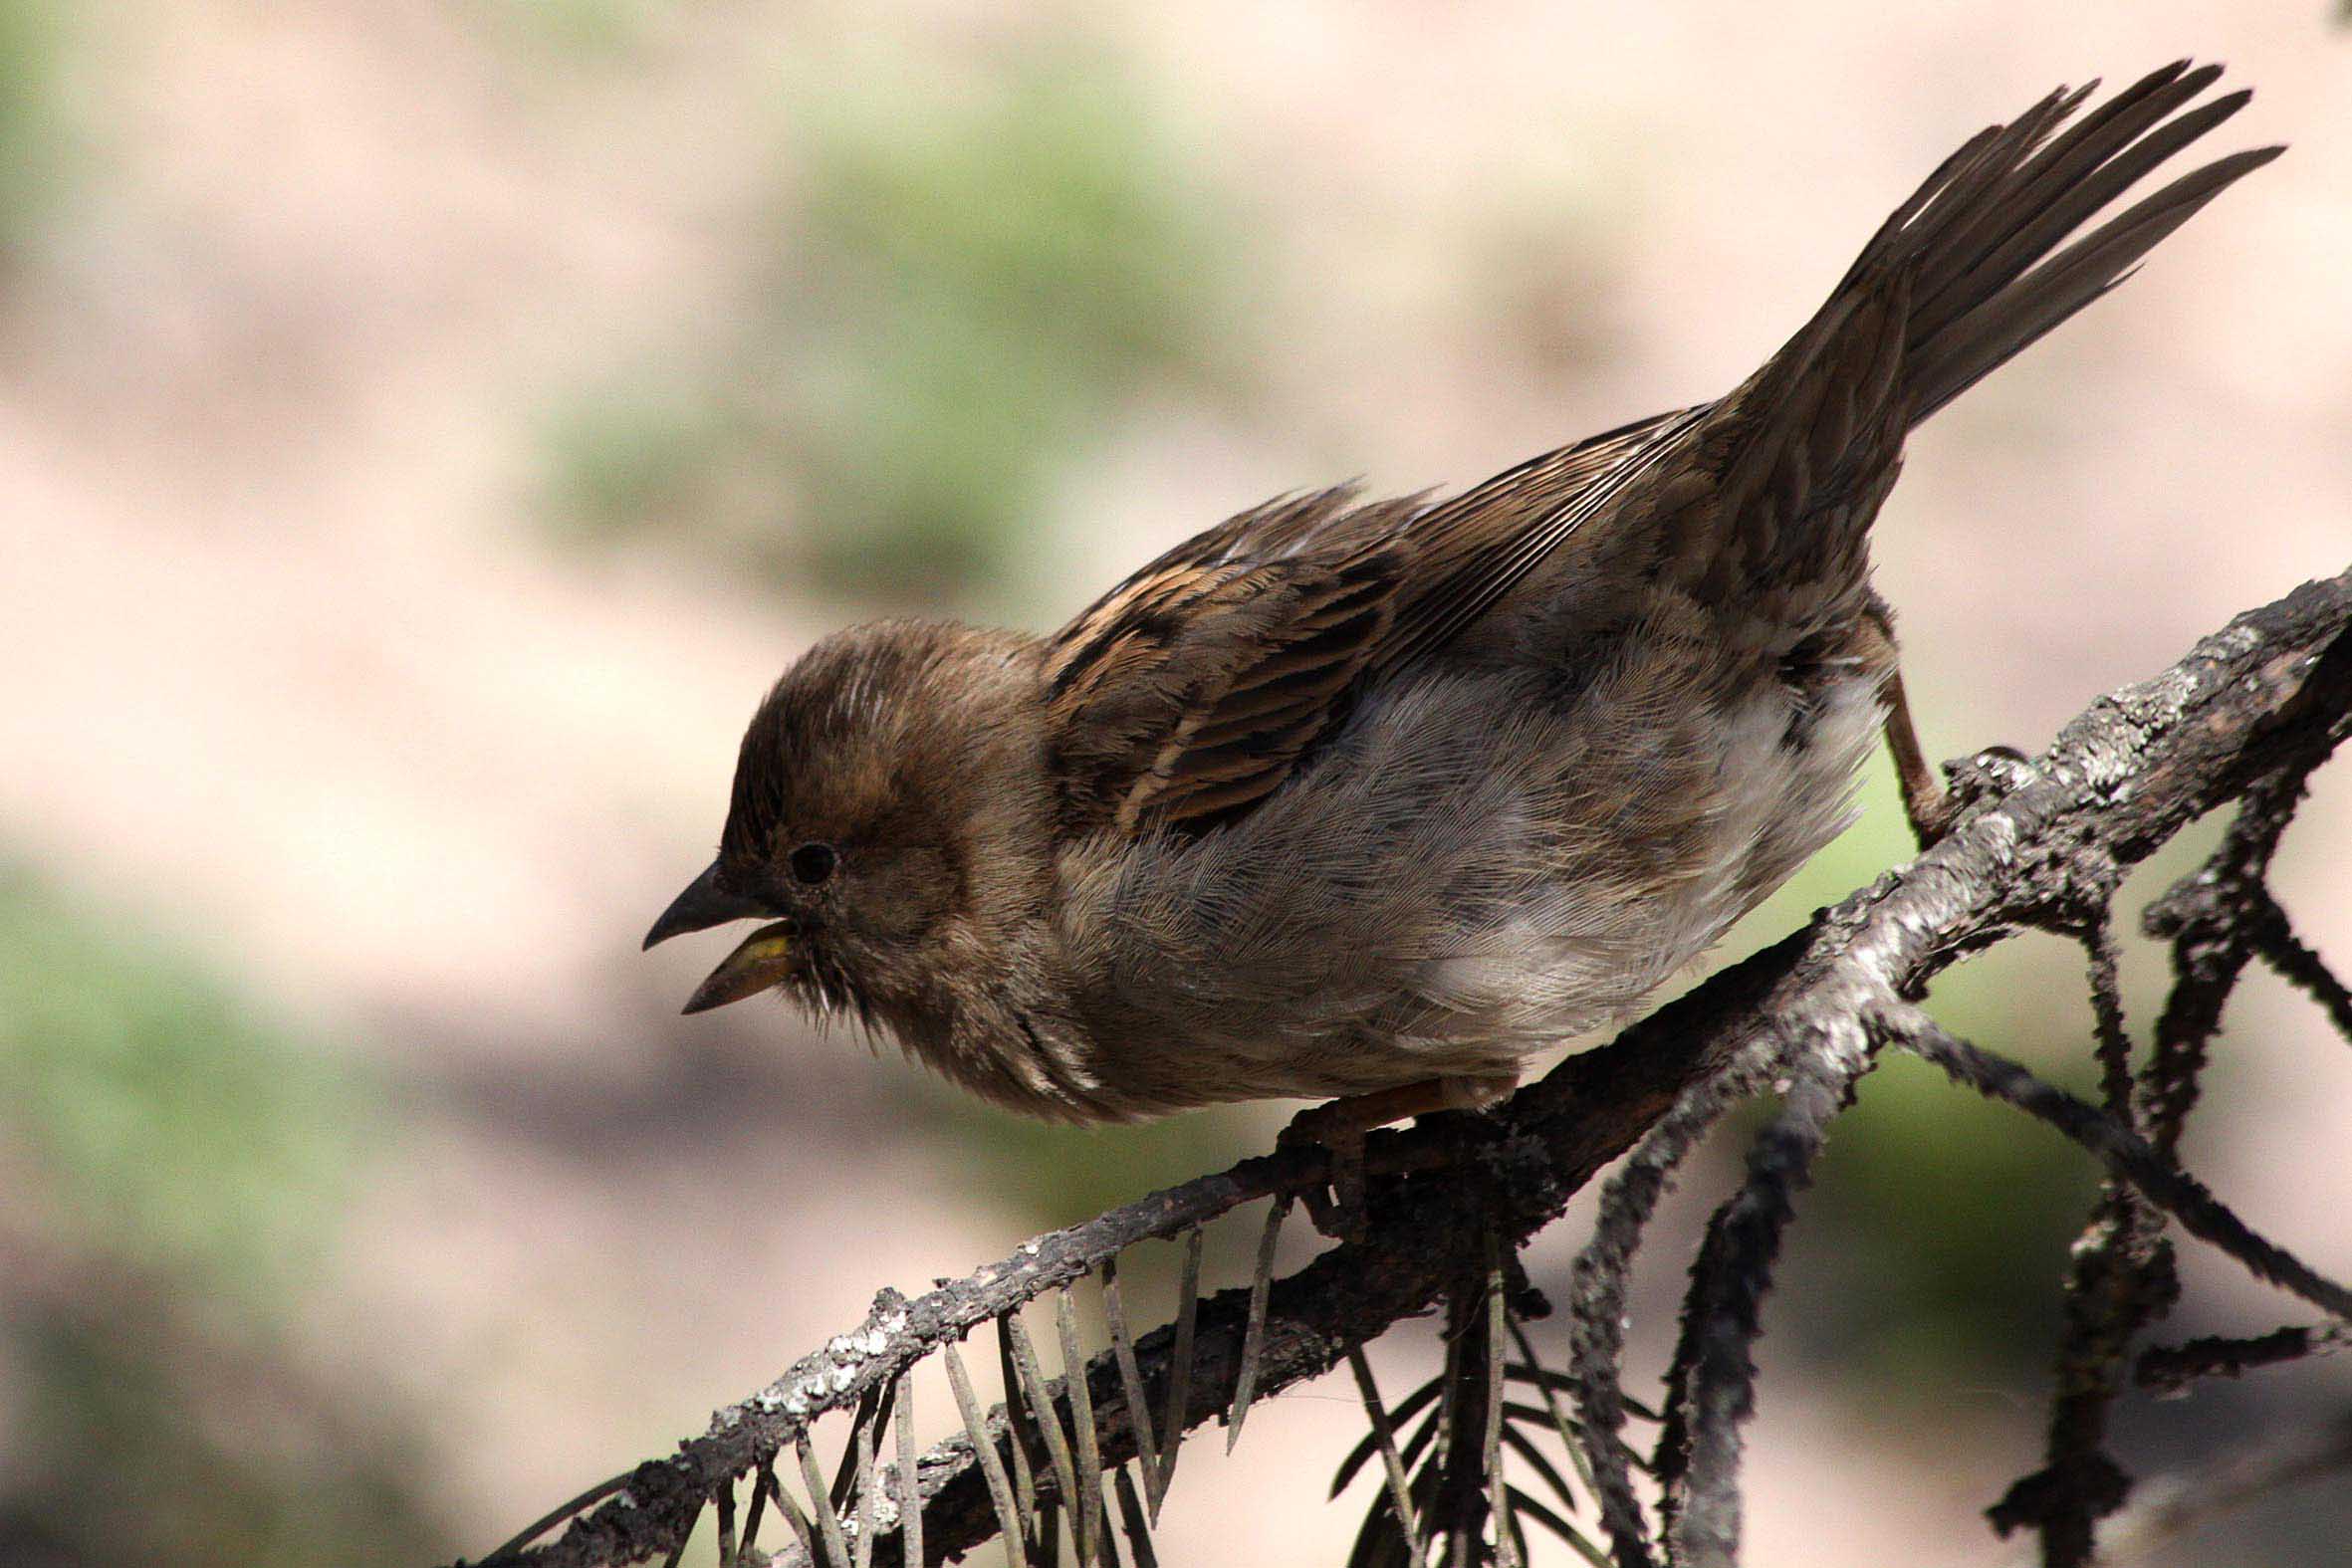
2266 698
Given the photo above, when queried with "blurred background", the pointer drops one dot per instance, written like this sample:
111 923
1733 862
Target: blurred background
425 428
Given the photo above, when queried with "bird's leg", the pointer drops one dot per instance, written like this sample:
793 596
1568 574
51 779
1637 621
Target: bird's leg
1926 802
1339 1127
1930 806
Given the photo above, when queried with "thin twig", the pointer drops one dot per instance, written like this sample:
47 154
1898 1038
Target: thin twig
2119 1280
1092 1510
1188 1307
1721 1315
2298 966
984 1447
2179 1195
1122 1344
910 1487
821 1504
2170 1506
2169 1369
1498 1348
1254 1331
1040 1400
1603 1269
1384 1435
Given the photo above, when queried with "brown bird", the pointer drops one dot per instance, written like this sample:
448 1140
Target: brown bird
1377 798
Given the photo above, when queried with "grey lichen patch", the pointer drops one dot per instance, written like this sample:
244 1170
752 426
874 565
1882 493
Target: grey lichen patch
822 1380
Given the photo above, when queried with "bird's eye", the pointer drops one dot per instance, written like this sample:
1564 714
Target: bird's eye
813 863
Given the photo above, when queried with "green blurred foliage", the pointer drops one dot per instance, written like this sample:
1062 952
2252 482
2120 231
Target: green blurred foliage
170 1123
1934 1248
965 287
149 1443
580 28
637 454
188 1161
32 127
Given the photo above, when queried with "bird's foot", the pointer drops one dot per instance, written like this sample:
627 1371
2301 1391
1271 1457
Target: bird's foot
1994 770
1340 1128
1338 1211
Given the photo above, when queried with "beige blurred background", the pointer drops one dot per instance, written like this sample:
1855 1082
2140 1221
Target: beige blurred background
425 429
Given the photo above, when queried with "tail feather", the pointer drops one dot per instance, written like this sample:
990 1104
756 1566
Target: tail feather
1982 237
2042 212
1981 260
1982 342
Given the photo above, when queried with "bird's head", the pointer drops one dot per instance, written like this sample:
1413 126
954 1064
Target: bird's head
881 785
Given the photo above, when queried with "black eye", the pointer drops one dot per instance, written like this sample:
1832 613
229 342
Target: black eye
813 863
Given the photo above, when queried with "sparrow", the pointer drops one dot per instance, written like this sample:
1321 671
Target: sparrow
1368 801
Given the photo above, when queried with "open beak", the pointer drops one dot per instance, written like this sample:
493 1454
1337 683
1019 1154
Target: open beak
703 905
763 960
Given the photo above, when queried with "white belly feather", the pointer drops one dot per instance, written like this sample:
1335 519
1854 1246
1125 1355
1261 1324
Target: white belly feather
1474 875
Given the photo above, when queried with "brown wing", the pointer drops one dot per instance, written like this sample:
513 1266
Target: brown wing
1474 547
1190 690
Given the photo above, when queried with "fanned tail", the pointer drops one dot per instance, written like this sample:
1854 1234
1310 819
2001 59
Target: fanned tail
1981 238
1983 259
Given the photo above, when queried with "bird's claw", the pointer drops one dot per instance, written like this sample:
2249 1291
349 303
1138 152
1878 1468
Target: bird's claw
1994 770
1339 1211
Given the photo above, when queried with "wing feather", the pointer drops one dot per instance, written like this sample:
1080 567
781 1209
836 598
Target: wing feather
1193 689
